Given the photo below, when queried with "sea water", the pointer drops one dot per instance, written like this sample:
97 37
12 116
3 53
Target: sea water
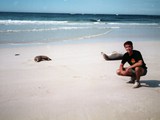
42 28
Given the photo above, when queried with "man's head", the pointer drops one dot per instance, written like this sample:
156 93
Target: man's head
128 45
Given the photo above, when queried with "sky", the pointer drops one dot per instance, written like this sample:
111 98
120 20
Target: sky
146 7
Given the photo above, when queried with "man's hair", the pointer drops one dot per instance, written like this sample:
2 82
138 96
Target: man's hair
128 43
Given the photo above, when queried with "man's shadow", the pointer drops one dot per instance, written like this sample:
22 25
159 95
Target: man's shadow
150 83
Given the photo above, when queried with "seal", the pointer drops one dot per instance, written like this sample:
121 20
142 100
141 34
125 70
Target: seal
41 58
113 56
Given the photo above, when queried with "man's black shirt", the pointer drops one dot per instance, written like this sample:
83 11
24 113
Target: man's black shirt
135 57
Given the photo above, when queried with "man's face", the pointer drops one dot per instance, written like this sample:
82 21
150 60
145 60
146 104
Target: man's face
128 48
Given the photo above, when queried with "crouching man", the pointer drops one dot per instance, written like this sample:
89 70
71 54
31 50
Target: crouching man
137 66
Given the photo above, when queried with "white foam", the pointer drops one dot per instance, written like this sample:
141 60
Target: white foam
137 24
95 35
44 29
29 22
24 22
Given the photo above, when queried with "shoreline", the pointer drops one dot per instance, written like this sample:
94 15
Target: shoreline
73 42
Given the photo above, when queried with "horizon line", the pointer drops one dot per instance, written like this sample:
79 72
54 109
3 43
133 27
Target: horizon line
77 13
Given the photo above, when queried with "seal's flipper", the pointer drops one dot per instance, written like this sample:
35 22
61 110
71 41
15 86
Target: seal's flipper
105 56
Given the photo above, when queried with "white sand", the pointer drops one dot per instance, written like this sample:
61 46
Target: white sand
78 84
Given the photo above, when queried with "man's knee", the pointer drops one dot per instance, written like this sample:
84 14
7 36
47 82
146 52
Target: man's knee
118 72
137 69
141 71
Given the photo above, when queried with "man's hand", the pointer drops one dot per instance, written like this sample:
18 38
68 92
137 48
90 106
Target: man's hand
128 69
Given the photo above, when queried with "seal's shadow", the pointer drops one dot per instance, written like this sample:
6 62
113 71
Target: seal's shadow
150 83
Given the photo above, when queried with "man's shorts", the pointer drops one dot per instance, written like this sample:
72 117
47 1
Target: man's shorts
145 72
133 71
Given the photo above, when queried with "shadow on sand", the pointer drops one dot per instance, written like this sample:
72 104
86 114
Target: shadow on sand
150 83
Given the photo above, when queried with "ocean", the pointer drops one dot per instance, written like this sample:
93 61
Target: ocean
42 28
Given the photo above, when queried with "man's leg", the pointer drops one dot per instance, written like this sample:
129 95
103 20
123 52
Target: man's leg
124 72
130 73
138 72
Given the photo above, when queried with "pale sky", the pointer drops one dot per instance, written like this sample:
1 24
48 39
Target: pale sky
147 7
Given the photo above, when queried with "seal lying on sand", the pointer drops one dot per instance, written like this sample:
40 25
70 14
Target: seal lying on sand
113 56
41 58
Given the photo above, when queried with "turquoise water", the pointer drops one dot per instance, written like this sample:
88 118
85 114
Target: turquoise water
39 28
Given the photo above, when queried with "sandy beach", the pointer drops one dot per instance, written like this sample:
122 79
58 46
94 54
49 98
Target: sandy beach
78 84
